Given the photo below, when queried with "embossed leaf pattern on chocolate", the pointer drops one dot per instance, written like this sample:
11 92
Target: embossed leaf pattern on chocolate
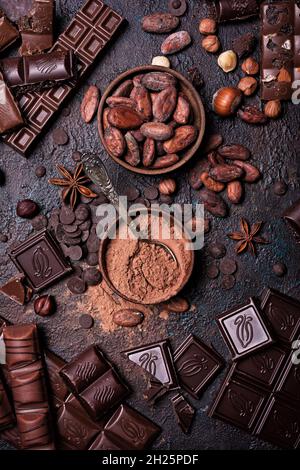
74 432
240 403
286 319
264 363
44 66
104 394
85 371
148 362
244 330
193 366
41 263
286 427
134 432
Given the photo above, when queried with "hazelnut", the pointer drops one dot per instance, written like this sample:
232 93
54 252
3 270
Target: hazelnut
250 66
211 44
273 109
162 61
44 305
227 61
248 85
167 186
27 209
226 101
208 26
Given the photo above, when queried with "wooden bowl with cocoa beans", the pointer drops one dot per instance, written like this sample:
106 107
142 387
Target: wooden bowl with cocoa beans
151 120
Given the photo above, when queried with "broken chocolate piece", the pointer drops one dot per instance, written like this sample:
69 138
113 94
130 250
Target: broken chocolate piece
17 290
37 28
184 412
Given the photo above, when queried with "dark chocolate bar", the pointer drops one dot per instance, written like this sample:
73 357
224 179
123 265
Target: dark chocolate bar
28 385
157 360
292 218
6 414
196 365
280 61
235 10
92 28
33 73
41 260
244 330
10 115
37 27
8 32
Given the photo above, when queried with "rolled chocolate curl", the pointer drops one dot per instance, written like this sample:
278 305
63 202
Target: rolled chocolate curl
292 218
234 10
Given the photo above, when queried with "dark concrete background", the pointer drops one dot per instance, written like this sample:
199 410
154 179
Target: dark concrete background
274 152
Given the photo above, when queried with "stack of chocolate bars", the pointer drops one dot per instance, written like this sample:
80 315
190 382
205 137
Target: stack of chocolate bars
35 85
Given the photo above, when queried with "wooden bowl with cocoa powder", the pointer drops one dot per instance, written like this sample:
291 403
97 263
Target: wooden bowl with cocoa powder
197 120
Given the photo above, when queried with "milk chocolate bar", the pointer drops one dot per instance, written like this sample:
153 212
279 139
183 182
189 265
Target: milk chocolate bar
37 28
10 115
90 31
33 73
8 32
280 60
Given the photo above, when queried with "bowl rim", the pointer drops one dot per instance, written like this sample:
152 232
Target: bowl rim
190 152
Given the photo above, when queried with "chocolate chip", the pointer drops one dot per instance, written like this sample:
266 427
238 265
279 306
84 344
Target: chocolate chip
151 192
59 232
86 321
60 137
71 241
132 193
279 269
217 250
75 253
77 270
101 199
66 216
39 222
228 266
92 259
76 156
76 234
143 201
280 188
177 7
40 171
76 285
212 271
85 225
82 212
85 235
92 276
228 282
3 238
70 228
2 178
65 249
92 243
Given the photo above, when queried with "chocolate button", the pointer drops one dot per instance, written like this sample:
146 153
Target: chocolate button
39 222
70 228
82 213
228 266
132 193
217 250
66 216
76 285
228 282
60 137
92 276
92 259
86 321
151 193
212 271
75 253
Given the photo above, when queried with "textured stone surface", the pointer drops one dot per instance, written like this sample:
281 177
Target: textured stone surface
273 152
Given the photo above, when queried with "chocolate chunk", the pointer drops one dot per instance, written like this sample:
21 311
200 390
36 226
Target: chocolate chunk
76 285
151 193
212 271
184 413
228 266
155 392
196 365
37 28
75 253
40 171
244 45
86 321
39 222
82 213
244 329
10 114
8 32
92 259
217 250
132 193
60 137
66 216
228 282
92 276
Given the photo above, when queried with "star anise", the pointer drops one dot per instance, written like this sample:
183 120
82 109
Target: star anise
247 237
74 184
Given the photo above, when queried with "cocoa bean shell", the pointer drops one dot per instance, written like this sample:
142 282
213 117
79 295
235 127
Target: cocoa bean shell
183 110
234 152
157 131
175 42
128 318
115 141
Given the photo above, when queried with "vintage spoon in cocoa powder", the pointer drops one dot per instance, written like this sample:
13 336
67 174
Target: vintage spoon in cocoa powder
95 169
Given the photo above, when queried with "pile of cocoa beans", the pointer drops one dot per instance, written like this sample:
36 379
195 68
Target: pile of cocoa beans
222 168
148 121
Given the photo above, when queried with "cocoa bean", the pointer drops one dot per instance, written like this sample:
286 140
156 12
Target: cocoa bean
234 152
115 141
194 173
251 173
124 89
157 131
182 110
235 192
213 202
252 115
27 209
165 161
139 137
177 305
128 317
133 155
215 159
159 145
160 23
158 81
211 184
143 102
90 103
121 101
164 104
105 118
226 173
175 42
148 152
137 80
212 143
184 136
124 118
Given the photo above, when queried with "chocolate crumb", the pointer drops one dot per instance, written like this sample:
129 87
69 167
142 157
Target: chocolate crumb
76 156
280 188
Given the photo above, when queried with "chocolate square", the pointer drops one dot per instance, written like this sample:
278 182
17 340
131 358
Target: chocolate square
289 384
41 260
244 330
196 365
283 313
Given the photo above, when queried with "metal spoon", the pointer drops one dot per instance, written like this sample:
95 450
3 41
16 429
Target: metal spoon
96 171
